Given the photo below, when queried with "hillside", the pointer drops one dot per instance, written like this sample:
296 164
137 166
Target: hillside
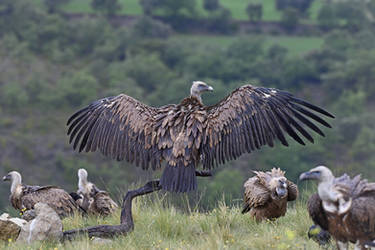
159 225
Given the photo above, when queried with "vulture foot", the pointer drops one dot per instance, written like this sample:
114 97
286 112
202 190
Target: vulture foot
203 173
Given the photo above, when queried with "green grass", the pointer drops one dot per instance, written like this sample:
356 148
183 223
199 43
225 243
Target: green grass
296 45
161 226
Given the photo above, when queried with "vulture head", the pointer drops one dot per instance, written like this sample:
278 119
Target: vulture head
321 173
281 186
198 88
328 190
84 186
15 178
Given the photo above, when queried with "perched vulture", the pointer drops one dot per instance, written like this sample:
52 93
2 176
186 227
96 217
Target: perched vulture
24 197
92 199
267 193
185 134
343 206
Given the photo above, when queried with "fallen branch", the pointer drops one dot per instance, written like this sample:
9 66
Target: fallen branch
126 220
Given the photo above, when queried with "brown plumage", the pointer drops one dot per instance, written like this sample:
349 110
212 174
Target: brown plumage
267 193
92 199
343 206
24 197
188 133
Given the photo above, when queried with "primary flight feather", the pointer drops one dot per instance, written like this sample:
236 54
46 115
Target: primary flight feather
186 134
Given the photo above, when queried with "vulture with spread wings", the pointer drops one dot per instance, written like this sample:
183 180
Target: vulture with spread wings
185 134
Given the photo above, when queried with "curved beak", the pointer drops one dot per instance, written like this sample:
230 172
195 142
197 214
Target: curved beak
7 178
210 88
309 176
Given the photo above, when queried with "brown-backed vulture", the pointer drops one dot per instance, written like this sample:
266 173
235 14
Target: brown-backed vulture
92 199
267 193
343 206
24 197
186 134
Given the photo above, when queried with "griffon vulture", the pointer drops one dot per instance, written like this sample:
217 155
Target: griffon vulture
343 206
267 193
24 197
92 199
185 134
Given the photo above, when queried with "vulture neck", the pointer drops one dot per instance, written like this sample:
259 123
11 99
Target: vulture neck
16 181
327 192
82 184
197 97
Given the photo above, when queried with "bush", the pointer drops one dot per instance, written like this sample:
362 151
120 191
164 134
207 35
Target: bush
290 18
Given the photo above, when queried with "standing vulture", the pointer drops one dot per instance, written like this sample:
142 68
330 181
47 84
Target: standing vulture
92 199
24 197
188 133
343 206
267 193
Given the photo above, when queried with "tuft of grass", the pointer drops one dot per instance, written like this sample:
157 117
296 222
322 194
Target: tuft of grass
160 225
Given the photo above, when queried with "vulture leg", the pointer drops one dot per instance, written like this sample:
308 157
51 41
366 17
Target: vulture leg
126 226
203 173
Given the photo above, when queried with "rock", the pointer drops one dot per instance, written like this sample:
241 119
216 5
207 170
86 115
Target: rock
98 240
46 225
10 227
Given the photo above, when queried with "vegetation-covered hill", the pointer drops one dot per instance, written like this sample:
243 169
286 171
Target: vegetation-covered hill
159 225
52 65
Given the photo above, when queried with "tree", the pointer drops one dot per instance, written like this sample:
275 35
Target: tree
327 18
254 11
211 5
107 7
54 5
290 18
301 5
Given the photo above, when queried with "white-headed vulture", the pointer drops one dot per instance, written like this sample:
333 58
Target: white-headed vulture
186 134
343 206
24 197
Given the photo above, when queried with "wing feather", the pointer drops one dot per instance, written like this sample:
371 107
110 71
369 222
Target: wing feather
120 127
251 117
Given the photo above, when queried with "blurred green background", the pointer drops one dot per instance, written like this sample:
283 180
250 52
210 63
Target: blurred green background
59 55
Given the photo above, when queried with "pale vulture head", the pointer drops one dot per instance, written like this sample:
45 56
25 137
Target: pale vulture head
321 173
198 88
82 181
15 178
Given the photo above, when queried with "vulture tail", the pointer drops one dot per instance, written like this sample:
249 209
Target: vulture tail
179 178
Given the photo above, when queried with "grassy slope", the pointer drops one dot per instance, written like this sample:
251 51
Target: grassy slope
164 227
295 45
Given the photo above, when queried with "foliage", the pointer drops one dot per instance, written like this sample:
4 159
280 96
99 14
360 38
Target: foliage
108 7
211 5
55 5
290 18
254 11
300 5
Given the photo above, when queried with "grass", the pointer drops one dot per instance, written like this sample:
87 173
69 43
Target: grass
296 45
162 226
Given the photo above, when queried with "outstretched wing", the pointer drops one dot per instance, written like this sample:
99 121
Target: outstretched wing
120 127
251 117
